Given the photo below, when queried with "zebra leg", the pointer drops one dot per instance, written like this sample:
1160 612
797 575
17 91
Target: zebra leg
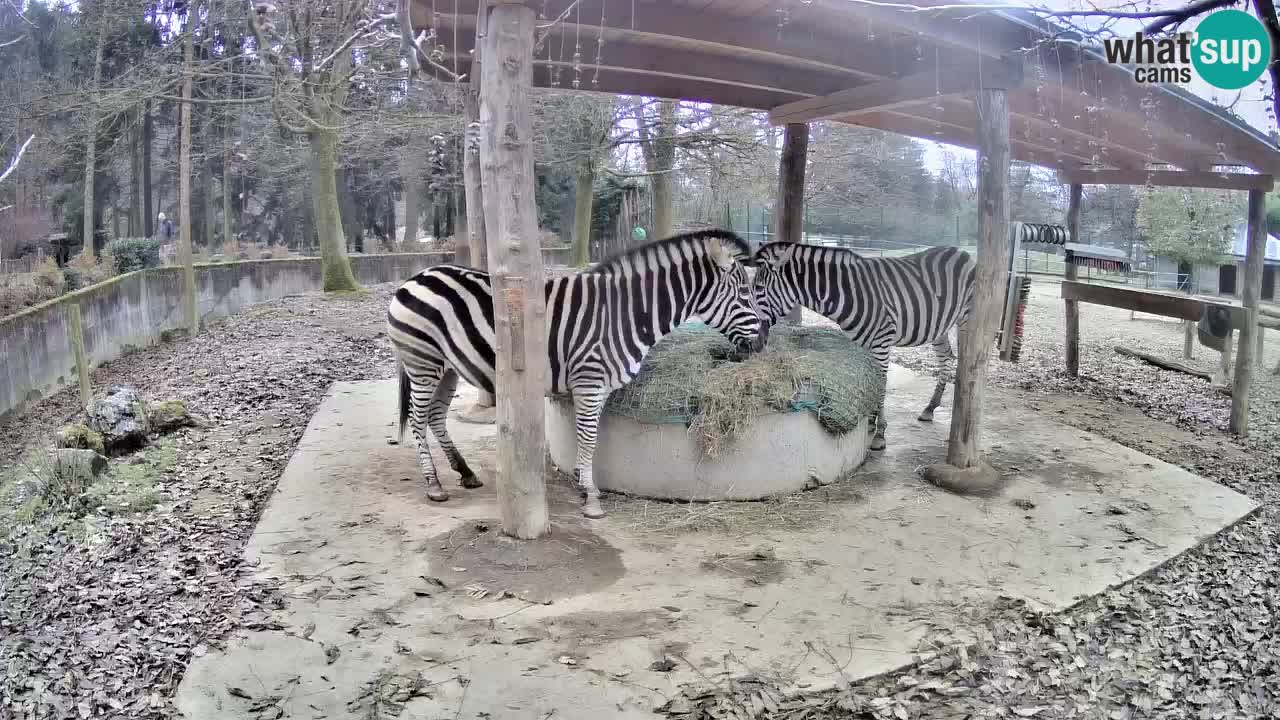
437 411
882 424
587 406
946 373
422 388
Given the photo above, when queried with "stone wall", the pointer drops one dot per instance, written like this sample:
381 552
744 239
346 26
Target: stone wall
137 309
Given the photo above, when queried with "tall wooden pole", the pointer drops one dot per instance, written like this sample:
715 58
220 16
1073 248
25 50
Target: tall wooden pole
515 260
1073 273
472 189
791 166
978 335
1250 296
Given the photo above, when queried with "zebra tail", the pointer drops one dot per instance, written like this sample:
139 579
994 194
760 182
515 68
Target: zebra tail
404 400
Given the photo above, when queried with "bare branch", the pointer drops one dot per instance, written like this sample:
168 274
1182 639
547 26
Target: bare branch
16 159
14 41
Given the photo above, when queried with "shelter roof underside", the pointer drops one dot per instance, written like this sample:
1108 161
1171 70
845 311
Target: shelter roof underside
911 73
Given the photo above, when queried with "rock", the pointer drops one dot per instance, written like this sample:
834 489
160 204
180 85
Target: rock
81 437
169 415
121 417
78 467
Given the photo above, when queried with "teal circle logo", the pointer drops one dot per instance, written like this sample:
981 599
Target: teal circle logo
1231 49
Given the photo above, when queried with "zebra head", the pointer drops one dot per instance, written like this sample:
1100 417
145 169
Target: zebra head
774 286
728 305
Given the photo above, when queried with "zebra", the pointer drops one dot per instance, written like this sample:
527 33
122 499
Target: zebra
601 322
879 303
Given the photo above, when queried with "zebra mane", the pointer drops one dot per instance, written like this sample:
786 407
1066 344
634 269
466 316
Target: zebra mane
778 246
741 250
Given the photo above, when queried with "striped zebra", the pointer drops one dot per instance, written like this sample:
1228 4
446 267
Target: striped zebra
601 323
880 303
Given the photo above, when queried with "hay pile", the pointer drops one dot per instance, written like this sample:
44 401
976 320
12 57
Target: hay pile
689 378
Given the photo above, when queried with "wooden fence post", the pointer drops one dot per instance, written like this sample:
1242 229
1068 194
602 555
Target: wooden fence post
515 259
1250 297
1072 273
791 166
75 337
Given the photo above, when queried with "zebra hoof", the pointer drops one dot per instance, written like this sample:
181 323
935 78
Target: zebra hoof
437 494
591 508
471 482
877 443
926 416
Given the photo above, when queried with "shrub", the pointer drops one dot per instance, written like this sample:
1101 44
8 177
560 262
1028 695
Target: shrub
23 290
131 254
82 271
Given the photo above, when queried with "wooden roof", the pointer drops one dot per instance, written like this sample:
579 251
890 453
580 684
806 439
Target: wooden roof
907 72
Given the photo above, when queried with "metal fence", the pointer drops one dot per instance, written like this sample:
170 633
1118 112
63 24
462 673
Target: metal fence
23 265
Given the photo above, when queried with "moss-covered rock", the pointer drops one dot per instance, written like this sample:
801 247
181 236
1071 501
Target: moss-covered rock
121 416
169 415
79 436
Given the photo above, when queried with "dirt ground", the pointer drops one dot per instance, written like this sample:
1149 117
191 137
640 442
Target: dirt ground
102 614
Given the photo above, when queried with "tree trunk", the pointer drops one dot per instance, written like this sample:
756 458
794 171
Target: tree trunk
790 210
664 152
148 217
326 214
964 450
472 189
91 143
206 180
135 179
411 178
506 155
228 223
184 188
582 199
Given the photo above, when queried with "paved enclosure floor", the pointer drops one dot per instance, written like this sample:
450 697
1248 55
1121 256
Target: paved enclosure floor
400 605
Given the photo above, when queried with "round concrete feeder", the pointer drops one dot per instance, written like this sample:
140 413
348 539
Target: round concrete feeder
779 454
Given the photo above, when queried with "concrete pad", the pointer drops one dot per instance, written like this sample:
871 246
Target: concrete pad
664 461
396 600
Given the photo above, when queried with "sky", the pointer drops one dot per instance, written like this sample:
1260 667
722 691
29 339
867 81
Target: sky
1251 104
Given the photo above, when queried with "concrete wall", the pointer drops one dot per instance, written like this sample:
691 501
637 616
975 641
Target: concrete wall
136 309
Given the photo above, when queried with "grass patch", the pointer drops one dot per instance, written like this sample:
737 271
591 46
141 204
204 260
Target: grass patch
130 485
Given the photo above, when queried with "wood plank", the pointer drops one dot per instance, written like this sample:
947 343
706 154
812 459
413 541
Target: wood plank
1166 364
627 55
506 170
791 167
993 251
937 131
758 38
887 94
1181 307
1169 178
1075 194
1250 297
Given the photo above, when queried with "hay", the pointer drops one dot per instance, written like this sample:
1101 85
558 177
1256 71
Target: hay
690 378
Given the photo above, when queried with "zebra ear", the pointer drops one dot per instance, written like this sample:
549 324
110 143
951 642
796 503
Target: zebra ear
720 252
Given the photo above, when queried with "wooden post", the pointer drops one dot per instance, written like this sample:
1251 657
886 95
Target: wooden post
1072 273
1258 353
1224 360
75 336
1250 297
979 332
1188 339
474 195
791 166
519 305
